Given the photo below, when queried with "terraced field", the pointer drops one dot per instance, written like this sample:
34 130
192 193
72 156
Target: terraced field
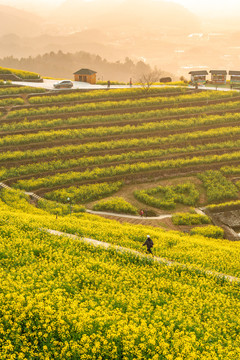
60 141
63 298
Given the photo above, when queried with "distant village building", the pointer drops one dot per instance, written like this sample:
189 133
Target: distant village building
85 75
166 79
198 76
234 77
218 76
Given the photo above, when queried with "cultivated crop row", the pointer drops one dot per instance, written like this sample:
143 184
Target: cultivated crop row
103 94
128 144
127 104
98 173
96 132
64 164
125 117
20 90
156 125
11 101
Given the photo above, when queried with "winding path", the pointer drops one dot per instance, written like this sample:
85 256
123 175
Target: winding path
159 260
129 216
134 252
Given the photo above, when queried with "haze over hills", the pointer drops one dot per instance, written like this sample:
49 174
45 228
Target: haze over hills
19 22
164 34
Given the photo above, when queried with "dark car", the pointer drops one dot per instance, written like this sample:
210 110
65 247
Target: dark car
63 84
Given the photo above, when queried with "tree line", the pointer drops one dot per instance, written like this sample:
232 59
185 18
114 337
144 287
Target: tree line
63 65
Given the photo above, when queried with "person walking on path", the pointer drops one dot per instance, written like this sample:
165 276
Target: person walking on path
142 213
149 244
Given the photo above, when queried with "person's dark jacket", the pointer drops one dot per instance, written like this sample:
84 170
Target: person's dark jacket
149 243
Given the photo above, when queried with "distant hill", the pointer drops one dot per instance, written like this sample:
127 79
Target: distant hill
145 14
14 21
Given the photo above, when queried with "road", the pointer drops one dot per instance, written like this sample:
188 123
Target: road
48 85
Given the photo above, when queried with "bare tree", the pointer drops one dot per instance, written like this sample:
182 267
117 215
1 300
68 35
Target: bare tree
149 78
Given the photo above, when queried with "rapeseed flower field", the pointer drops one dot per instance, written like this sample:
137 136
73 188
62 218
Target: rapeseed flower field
64 299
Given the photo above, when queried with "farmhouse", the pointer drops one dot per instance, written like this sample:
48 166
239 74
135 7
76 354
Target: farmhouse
85 75
218 76
234 77
198 76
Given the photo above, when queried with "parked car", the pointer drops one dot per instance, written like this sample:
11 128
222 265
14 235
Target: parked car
63 84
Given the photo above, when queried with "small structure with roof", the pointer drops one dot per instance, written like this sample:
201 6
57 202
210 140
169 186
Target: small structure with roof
198 76
218 76
234 77
85 75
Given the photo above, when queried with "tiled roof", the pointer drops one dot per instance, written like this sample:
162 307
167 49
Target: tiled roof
234 72
85 72
199 72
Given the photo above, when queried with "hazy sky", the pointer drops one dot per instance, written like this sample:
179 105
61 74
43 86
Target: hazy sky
211 7
208 7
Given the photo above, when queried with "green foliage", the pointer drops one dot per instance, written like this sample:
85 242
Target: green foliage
116 204
209 231
166 197
190 219
84 193
218 187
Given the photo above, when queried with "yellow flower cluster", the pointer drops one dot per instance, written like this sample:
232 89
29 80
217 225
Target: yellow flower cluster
63 299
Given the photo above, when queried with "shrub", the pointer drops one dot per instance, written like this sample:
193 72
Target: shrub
210 231
218 187
150 213
84 193
190 219
166 197
117 204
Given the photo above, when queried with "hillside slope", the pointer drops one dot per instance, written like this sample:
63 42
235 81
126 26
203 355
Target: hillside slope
66 299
